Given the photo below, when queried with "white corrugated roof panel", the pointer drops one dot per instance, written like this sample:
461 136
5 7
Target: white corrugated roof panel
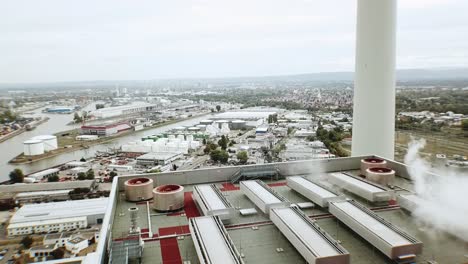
210 197
357 182
266 196
214 241
374 225
56 210
308 235
313 187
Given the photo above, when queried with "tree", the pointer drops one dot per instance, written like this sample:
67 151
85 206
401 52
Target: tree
81 176
17 176
58 253
242 157
223 142
464 125
90 174
53 178
27 241
219 156
112 174
83 159
77 118
204 141
218 108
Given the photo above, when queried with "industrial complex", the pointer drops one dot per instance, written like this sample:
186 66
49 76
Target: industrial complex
300 214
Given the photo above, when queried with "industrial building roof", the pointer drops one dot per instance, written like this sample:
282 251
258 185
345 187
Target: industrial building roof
255 237
42 193
58 210
46 186
244 115
158 155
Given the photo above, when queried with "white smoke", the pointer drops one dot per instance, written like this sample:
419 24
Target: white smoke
445 193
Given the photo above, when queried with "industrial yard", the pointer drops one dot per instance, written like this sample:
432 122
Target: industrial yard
168 236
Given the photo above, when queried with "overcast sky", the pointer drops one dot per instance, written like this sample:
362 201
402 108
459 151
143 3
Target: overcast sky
57 40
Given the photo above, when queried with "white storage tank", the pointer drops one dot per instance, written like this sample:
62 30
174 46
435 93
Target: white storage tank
372 163
169 197
238 124
33 147
189 138
202 127
382 176
139 189
206 122
49 141
193 129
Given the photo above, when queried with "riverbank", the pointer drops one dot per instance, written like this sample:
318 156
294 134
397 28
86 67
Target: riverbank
17 132
67 143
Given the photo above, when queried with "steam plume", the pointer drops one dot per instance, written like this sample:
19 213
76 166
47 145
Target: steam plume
445 205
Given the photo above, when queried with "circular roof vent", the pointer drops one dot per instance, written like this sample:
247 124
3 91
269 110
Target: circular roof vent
139 189
372 163
169 197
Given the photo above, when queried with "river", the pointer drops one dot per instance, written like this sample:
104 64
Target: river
57 123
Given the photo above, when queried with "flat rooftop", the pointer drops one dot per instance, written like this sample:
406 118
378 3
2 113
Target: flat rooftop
255 236
59 210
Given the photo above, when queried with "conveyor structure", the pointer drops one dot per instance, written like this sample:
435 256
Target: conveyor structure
367 190
212 202
312 191
389 239
212 241
263 196
313 243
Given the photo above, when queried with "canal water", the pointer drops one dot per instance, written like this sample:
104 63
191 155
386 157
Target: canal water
57 123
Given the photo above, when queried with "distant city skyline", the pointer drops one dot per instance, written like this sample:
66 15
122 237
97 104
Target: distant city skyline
56 41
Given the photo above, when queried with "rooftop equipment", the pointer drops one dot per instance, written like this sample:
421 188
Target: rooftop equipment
133 220
313 243
212 202
263 196
312 191
409 202
382 176
389 239
372 163
168 197
212 241
139 189
368 190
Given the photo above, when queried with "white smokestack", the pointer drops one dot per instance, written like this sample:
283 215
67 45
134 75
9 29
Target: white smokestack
374 84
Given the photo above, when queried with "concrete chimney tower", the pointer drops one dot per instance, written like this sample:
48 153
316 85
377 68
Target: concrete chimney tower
374 83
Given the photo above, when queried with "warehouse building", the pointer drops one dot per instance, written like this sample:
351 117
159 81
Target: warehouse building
105 129
57 217
41 175
158 158
134 108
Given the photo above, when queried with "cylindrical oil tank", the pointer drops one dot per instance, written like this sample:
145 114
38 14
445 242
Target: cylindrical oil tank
169 197
372 163
33 147
139 189
49 141
383 176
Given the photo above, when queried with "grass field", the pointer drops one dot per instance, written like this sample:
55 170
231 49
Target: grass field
449 142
